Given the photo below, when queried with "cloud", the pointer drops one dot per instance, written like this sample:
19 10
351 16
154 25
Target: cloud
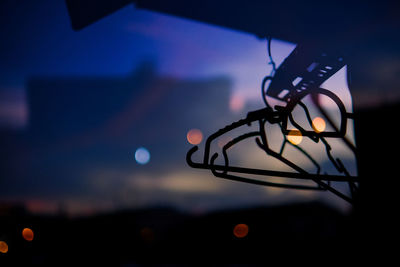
188 190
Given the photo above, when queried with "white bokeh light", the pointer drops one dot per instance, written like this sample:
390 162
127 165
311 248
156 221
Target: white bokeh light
142 156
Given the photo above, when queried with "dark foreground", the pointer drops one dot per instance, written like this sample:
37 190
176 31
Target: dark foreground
131 238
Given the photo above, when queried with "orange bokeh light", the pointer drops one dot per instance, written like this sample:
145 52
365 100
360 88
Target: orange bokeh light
3 247
318 124
236 103
27 234
241 230
295 137
194 136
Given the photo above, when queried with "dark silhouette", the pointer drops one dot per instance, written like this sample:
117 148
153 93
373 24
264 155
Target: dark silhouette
316 69
160 234
359 33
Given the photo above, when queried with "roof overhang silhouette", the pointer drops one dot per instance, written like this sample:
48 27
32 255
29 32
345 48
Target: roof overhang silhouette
294 21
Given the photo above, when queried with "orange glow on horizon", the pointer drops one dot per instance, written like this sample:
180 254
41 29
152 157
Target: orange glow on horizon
3 247
295 137
194 136
241 230
27 234
318 124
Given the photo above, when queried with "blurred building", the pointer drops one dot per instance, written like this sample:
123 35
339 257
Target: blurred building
80 123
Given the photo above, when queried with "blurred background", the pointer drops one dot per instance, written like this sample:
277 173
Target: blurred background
95 126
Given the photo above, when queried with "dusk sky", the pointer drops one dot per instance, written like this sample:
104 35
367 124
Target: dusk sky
98 120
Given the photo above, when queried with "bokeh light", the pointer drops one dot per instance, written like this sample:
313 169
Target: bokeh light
295 137
3 247
27 234
241 230
236 103
194 136
318 124
142 155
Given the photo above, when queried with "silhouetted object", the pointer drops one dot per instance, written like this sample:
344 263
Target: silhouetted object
316 68
84 13
295 21
360 32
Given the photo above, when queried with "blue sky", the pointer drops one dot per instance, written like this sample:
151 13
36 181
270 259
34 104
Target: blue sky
98 171
42 43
